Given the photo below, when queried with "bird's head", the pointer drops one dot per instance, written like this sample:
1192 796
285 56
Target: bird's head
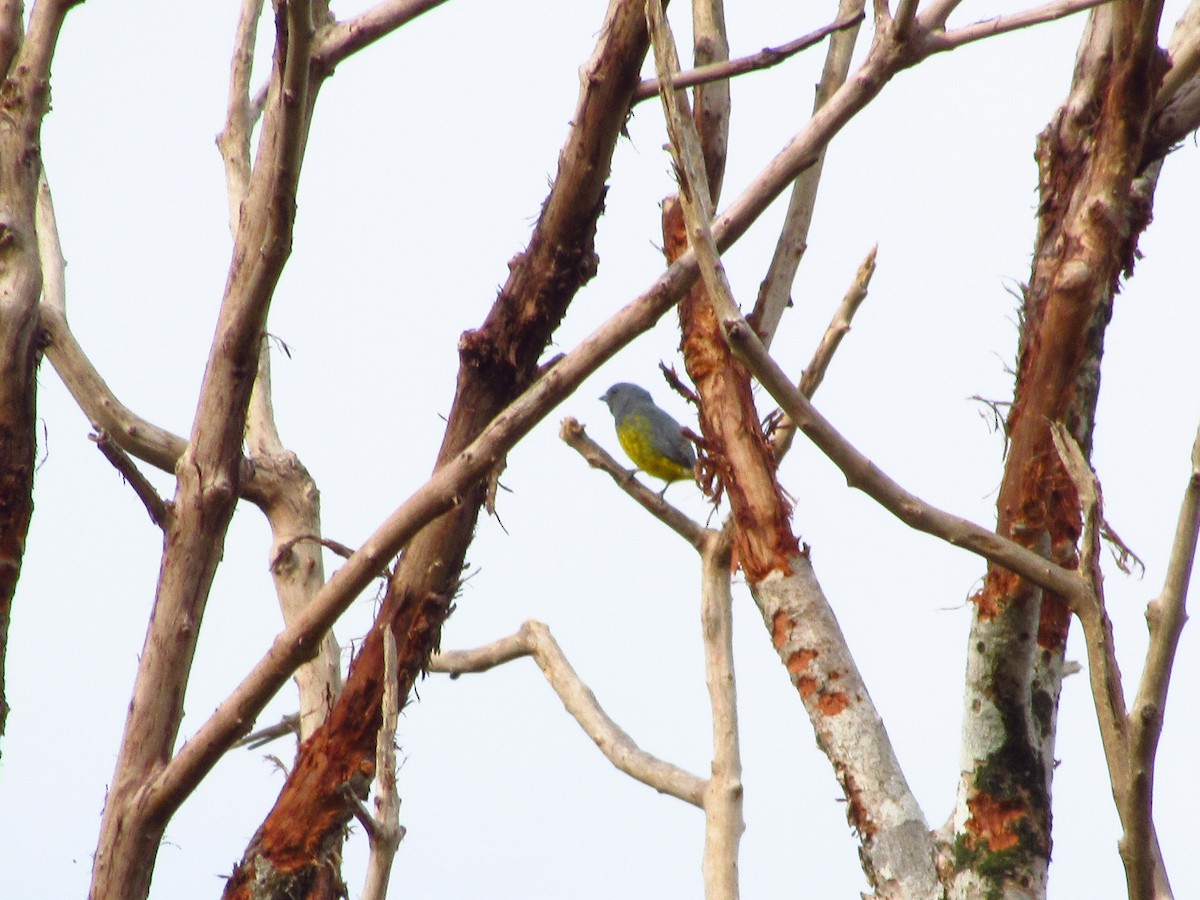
624 396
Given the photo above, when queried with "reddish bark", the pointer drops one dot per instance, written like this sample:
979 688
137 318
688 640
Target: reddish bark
18 445
994 823
735 449
1090 219
300 839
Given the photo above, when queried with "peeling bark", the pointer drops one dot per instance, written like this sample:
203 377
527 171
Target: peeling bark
735 451
1090 217
896 848
302 835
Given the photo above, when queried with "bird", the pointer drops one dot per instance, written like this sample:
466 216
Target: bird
649 436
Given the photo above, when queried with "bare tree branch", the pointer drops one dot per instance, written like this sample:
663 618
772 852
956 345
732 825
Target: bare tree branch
289 724
336 546
1132 781
864 475
384 828
896 846
936 42
12 27
130 431
711 101
776 290
695 193
26 99
208 471
45 23
50 254
1177 105
1185 57
336 42
839 325
1103 670
159 511
290 499
838 328
534 639
902 24
1165 616
933 14
442 490
107 414
293 509
572 433
54 300
234 139
724 821
765 58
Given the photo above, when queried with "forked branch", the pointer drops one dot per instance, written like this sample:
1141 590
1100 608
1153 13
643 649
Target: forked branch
534 639
864 475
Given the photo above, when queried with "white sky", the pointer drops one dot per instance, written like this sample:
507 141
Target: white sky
428 161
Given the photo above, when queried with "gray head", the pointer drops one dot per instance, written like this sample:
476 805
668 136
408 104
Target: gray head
624 397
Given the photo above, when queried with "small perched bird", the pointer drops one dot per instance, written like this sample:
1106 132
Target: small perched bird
652 439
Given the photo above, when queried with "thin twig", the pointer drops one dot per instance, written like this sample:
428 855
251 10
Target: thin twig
289 724
838 328
159 510
108 415
839 325
1165 616
775 293
1103 670
234 139
481 659
937 42
573 434
755 62
1123 555
534 639
1132 782
135 435
694 192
